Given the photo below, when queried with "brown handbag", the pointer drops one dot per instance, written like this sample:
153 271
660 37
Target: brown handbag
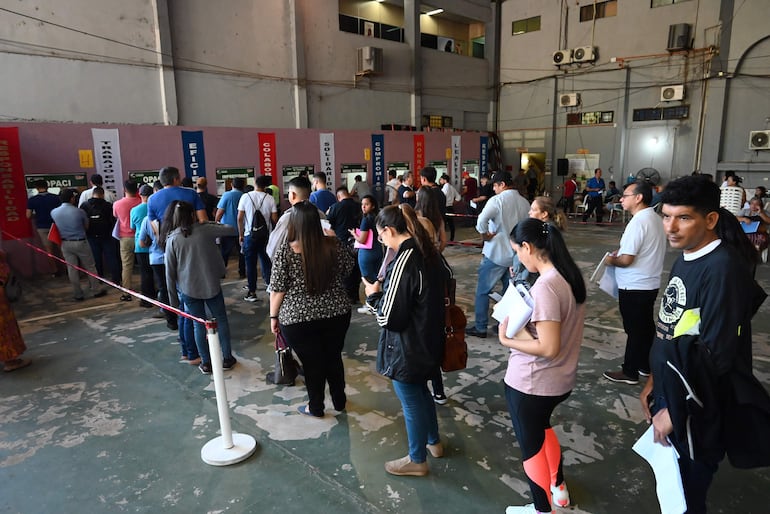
455 348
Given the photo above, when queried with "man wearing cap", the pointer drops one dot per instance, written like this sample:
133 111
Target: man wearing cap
485 192
501 213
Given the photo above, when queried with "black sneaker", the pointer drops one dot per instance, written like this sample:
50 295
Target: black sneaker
228 363
475 333
620 377
440 399
172 326
205 368
101 293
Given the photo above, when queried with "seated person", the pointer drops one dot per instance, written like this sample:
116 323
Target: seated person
756 212
612 194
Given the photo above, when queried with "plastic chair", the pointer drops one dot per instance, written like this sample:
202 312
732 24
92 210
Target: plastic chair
617 207
731 198
582 206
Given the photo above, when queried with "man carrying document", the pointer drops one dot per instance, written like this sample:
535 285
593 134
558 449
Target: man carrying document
501 213
639 263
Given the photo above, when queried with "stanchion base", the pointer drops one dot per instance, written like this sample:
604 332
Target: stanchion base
214 452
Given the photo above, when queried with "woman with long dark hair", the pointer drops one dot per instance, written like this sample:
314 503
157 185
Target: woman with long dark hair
410 310
369 259
542 366
194 269
309 305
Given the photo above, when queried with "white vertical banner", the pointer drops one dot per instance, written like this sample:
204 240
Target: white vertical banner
107 159
327 159
457 164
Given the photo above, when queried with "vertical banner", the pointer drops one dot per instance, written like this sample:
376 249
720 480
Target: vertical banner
13 193
419 154
327 158
483 153
457 165
267 153
378 167
108 163
194 155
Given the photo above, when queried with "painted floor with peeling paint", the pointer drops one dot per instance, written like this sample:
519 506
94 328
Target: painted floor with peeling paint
107 419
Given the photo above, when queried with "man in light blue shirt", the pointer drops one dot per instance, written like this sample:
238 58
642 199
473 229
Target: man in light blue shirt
500 214
72 224
227 214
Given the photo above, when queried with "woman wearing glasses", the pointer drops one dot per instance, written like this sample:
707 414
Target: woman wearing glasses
410 310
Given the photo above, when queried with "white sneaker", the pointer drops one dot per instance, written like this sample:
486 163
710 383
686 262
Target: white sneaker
526 509
560 495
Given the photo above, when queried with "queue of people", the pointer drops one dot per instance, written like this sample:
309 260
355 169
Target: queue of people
310 305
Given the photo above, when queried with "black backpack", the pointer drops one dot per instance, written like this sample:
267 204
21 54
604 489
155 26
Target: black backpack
260 232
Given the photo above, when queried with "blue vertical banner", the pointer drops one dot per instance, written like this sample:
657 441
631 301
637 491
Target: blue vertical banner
378 167
483 154
194 156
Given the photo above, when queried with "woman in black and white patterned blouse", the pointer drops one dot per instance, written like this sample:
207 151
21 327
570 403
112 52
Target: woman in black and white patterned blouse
309 305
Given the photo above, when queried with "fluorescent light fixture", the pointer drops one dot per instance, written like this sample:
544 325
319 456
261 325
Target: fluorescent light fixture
434 11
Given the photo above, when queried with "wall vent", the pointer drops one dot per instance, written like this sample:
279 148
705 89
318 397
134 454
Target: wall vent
759 140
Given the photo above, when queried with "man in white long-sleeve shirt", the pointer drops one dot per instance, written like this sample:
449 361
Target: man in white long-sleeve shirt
501 213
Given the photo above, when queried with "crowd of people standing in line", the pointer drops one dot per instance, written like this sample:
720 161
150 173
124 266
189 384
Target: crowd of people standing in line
311 252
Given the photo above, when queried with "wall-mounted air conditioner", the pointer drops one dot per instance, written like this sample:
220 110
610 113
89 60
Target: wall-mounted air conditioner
562 57
569 99
369 60
759 140
584 54
671 93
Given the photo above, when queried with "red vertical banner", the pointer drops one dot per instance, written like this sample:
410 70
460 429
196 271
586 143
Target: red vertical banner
267 154
419 154
13 191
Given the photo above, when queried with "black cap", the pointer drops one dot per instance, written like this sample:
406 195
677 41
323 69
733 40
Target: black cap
145 190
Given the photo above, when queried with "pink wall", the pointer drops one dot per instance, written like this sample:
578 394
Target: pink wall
52 148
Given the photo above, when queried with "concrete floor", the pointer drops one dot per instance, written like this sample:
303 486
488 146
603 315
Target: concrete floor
108 420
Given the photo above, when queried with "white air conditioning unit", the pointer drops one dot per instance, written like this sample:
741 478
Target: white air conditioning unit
369 60
759 140
584 54
569 99
562 57
671 93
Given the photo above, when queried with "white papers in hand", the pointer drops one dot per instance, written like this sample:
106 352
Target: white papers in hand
325 224
668 480
596 276
516 305
472 204
609 283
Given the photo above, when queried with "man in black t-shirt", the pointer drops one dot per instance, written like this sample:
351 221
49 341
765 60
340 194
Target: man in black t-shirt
709 300
343 216
99 234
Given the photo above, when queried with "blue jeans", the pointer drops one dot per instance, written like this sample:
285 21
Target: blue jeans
489 274
419 416
252 252
226 246
186 334
216 306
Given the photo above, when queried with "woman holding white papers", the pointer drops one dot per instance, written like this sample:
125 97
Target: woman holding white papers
542 367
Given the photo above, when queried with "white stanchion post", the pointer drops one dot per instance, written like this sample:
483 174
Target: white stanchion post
229 447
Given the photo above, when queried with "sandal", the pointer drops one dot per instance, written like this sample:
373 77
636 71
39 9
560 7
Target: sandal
15 364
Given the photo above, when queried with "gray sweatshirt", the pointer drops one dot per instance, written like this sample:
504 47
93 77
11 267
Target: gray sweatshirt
194 263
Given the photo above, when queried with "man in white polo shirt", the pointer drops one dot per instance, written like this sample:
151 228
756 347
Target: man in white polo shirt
639 263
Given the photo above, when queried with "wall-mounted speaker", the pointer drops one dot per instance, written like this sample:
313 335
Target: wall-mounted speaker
562 167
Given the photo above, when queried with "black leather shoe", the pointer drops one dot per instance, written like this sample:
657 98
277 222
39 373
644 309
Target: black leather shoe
475 333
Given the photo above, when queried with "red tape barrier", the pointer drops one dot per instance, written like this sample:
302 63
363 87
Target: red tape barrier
208 324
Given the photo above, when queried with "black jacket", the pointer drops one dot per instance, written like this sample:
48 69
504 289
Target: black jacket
411 313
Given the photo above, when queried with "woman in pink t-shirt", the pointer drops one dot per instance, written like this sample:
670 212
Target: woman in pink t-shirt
542 366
